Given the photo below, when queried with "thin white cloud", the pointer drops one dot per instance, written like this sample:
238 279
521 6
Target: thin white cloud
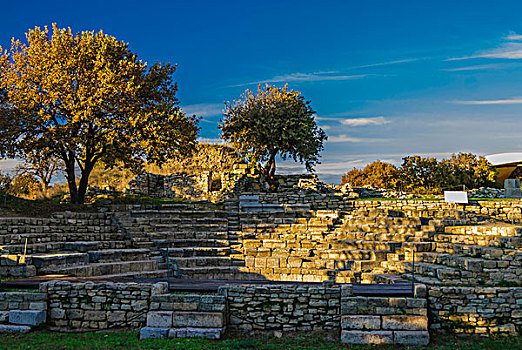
387 63
365 121
8 165
490 102
204 109
305 77
511 49
358 121
346 138
477 67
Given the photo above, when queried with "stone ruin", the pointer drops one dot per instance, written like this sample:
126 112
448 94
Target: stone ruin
302 260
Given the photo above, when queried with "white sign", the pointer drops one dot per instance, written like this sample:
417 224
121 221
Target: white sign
456 197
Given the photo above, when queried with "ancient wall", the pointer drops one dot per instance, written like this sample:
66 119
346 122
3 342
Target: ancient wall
19 311
88 305
476 309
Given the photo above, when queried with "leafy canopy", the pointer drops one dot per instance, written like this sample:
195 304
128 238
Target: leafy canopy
273 121
86 98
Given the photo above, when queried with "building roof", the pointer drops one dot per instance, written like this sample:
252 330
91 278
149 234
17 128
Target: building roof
505 159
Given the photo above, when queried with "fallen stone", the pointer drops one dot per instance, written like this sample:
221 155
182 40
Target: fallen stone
153 333
411 337
372 337
27 317
9 328
207 333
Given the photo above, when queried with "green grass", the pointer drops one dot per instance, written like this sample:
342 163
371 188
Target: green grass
129 340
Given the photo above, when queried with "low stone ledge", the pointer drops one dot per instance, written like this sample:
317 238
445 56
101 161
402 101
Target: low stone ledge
367 337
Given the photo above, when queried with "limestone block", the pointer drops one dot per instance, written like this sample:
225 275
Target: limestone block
414 338
27 317
360 322
412 323
371 337
153 333
159 319
207 333
9 328
4 316
198 319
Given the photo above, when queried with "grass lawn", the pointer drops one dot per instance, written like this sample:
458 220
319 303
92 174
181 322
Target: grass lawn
129 340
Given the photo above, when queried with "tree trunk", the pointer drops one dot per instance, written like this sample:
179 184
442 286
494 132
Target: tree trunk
269 172
71 179
84 182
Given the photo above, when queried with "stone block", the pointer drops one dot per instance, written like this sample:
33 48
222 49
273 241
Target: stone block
9 328
371 337
4 316
198 319
409 323
207 333
360 322
159 319
414 338
27 317
153 333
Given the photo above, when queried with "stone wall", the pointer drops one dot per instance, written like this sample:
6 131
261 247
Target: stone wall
19 311
480 310
267 308
88 305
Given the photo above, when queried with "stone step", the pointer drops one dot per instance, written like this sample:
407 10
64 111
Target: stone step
206 261
44 237
27 317
108 268
460 276
10 328
189 227
490 253
196 251
109 255
502 231
220 273
181 243
57 259
356 254
377 213
483 241
48 247
176 235
377 228
383 220
364 244
370 236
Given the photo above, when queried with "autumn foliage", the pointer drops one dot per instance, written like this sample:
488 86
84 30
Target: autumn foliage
426 175
85 99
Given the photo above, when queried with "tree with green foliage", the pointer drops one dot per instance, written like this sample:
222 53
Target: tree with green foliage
275 121
378 174
86 98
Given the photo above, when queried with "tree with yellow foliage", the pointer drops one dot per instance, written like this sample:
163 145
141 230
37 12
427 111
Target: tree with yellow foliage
275 121
86 98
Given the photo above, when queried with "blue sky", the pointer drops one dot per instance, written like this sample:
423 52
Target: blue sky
387 78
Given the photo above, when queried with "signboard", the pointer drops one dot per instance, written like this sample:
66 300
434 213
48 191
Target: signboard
456 197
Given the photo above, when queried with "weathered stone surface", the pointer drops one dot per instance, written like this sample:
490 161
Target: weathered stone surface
414 338
8 328
413 323
360 322
27 317
367 337
208 333
198 319
153 333
159 319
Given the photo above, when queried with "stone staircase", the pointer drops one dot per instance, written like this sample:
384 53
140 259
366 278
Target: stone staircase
75 244
186 316
196 238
